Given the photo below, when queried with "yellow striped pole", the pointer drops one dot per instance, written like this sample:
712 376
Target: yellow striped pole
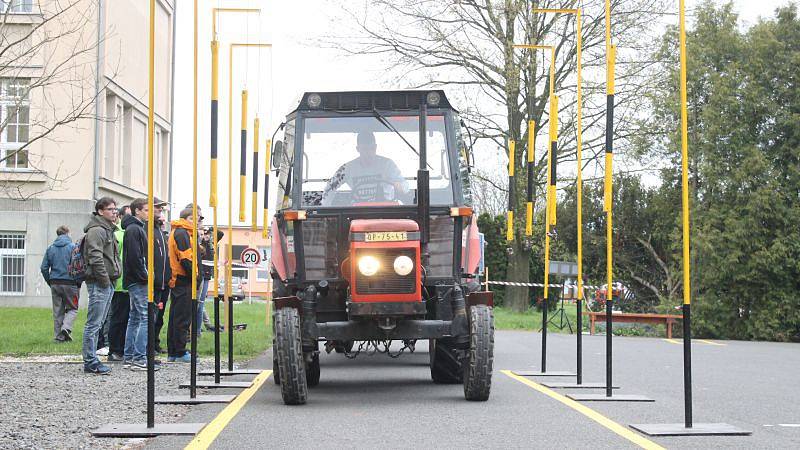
687 286
550 218
243 159
194 243
531 162
254 193
608 202
151 220
511 190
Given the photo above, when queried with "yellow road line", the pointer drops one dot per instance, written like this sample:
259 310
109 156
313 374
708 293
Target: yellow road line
210 432
704 341
588 412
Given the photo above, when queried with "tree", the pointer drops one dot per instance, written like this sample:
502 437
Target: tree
52 59
744 141
468 45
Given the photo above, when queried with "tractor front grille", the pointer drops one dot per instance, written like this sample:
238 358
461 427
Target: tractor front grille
386 281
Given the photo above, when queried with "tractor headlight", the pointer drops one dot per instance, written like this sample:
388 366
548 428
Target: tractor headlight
403 265
433 98
368 265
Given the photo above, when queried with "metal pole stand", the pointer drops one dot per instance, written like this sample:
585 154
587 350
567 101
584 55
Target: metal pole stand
579 360
543 372
217 372
149 429
688 428
609 394
193 398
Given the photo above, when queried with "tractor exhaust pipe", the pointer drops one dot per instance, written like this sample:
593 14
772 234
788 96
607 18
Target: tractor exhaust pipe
423 182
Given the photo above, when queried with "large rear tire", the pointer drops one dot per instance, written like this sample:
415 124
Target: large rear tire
480 357
275 374
289 349
445 362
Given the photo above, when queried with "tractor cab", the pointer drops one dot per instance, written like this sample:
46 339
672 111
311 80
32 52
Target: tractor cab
374 240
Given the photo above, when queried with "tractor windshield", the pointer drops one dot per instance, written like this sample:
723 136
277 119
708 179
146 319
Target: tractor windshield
364 161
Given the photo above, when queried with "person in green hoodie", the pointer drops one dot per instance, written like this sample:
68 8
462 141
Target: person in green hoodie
102 268
120 307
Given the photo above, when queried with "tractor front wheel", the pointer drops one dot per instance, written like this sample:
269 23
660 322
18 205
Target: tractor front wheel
480 356
445 362
289 350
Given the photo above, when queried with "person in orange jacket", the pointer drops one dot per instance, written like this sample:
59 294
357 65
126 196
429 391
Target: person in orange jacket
181 249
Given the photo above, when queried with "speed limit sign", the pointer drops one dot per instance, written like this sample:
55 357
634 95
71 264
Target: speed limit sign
251 257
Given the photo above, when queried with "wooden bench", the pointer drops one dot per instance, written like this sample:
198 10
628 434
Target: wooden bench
666 319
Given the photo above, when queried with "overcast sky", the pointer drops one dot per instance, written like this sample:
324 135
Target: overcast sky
293 66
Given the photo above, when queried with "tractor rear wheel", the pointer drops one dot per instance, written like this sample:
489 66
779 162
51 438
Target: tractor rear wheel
445 362
480 357
289 349
275 375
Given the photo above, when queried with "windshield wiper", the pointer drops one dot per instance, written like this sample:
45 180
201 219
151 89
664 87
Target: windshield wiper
391 127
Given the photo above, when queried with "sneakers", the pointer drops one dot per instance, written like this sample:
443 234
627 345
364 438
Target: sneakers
141 365
186 358
99 369
115 357
63 336
126 364
102 352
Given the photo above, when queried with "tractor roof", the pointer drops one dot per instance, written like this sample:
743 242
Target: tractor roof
351 101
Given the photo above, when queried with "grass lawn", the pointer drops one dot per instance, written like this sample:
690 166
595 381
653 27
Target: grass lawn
531 320
29 331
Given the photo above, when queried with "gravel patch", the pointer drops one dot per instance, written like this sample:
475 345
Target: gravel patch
53 404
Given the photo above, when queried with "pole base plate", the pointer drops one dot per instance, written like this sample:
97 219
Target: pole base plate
220 385
613 398
698 429
536 373
554 385
228 373
198 400
140 430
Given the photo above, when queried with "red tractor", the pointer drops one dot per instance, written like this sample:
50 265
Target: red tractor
373 241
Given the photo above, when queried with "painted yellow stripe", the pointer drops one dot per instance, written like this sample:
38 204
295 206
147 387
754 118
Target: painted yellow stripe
704 341
210 432
588 412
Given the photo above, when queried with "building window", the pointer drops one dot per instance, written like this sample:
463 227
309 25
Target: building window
16 6
15 114
12 263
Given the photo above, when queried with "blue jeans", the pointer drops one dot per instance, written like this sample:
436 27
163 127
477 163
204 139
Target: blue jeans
99 302
136 334
201 302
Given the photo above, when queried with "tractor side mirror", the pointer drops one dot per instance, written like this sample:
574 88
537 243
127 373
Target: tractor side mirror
468 147
278 154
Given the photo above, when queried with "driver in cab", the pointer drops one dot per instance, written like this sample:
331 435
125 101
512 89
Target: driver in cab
371 177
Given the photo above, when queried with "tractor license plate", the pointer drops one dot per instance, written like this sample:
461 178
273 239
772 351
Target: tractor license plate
386 236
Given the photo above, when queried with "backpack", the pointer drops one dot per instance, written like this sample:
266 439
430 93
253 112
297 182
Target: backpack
76 267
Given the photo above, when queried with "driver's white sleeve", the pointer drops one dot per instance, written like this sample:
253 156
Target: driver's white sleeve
336 180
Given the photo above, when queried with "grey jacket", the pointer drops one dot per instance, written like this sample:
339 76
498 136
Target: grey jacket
101 253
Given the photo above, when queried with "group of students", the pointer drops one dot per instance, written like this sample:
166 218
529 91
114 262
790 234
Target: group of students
111 259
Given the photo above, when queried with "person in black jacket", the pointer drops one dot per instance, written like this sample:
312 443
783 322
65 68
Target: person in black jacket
134 279
161 270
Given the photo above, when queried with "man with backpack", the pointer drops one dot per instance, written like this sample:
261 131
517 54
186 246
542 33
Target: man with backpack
63 286
101 268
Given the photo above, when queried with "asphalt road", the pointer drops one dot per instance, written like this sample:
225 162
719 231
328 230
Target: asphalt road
381 402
